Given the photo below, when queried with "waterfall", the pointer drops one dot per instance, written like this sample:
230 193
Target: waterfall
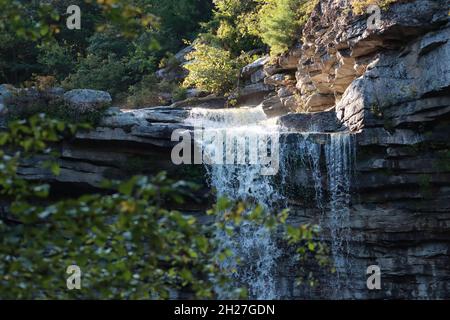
256 246
243 180
339 156
331 185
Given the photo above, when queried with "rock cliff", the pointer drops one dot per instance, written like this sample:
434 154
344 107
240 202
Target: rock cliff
389 87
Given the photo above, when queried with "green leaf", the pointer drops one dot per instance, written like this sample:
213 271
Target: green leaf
44 30
126 187
56 169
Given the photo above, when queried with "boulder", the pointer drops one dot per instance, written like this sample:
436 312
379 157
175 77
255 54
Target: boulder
88 99
273 107
319 102
253 94
6 92
257 76
176 71
398 94
311 122
211 101
255 66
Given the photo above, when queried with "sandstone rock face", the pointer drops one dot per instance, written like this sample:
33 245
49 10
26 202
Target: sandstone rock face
325 121
318 101
337 47
392 89
87 99
268 84
126 142
254 67
253 89
273 106
289 61
253 94
397 93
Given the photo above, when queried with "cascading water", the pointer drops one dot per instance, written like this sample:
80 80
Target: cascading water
255 245
339 155
332 199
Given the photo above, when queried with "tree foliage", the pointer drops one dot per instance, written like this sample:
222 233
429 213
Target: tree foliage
120 42
129 241
56 59
214 69
281 20
234 26
241 26
220 49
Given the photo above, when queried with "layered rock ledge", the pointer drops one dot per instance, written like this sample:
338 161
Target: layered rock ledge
390 87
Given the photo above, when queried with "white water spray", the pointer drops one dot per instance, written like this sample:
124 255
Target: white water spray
255 245
339 156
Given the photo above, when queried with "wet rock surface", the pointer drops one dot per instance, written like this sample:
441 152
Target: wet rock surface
325 121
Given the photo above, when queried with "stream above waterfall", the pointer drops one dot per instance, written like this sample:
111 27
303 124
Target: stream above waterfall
327 159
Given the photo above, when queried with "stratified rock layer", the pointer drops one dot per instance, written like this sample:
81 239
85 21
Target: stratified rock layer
390 87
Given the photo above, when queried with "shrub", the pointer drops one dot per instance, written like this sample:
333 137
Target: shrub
213 69
152 92
56 59
281 20
169 61
128 241
234 25
179 93
26 103
112 64
41 83
93 72
14 67
146 93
